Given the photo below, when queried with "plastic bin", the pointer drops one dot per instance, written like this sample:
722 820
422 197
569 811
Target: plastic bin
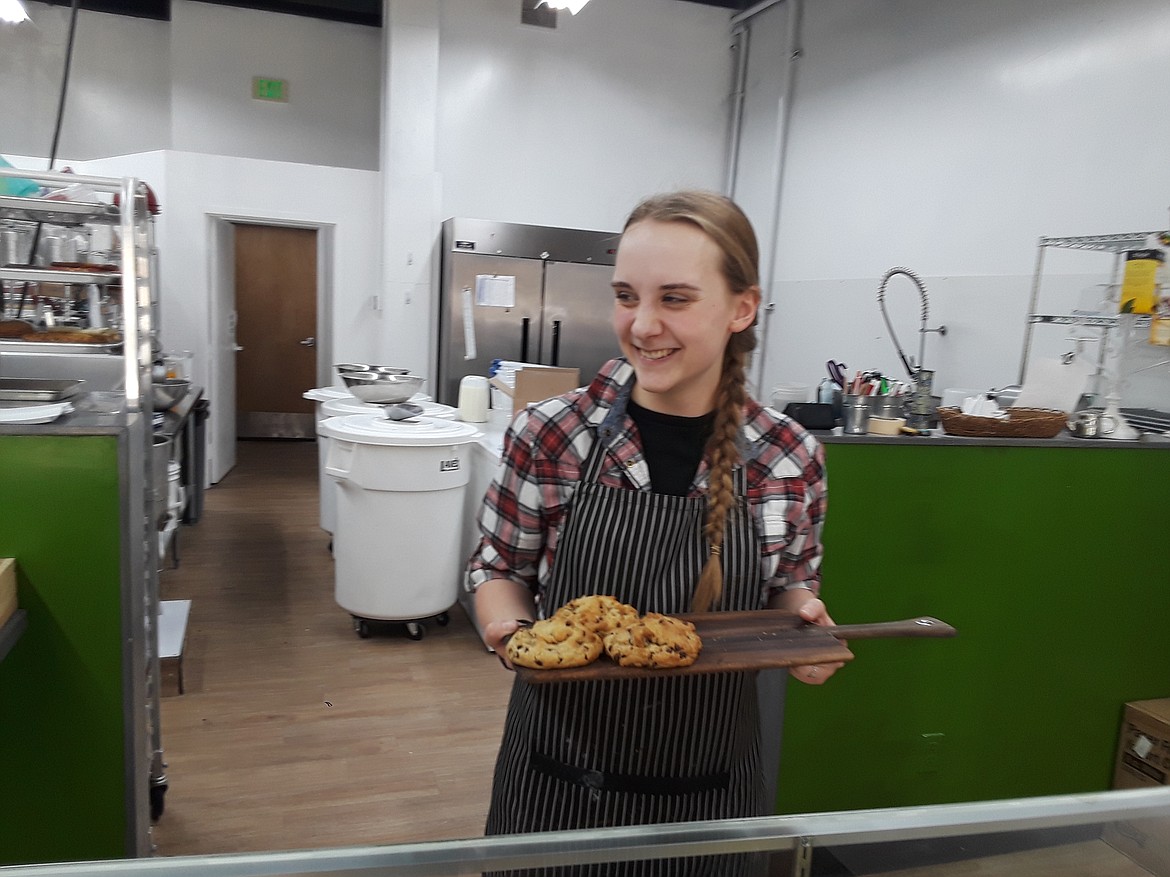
398 532
331 405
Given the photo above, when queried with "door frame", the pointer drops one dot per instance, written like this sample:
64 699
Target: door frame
221 330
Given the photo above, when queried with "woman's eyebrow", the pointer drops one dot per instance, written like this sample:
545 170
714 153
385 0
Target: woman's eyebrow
670 287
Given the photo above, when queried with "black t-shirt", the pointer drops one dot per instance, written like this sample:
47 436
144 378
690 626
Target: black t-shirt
673 446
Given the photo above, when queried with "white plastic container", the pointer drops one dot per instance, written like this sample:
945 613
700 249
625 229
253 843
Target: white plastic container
400 496
474 399
321 395
338 401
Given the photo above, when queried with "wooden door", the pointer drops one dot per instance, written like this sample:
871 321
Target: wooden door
276 330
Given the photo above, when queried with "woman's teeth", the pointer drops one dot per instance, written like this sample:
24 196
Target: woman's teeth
656 354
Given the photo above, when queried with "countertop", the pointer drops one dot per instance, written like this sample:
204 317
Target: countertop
1064 440
491 439
87 418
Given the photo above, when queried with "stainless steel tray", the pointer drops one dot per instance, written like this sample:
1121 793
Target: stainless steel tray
17 274
56 212
18 346
37 389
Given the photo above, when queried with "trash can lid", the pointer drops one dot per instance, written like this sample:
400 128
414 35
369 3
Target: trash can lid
375 429
324 394
353 405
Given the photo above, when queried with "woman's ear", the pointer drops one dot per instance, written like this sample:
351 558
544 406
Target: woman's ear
747 305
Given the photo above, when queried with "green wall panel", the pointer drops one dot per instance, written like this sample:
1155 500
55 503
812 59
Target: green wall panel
1050 564
61 720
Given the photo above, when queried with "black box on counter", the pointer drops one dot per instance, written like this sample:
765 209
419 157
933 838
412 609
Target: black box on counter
811 415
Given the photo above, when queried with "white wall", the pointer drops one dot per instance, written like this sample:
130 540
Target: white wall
118 98
948 138
486 117
202 187
332 70
138 85
572 126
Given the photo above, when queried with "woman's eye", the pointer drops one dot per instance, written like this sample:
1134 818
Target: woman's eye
623 296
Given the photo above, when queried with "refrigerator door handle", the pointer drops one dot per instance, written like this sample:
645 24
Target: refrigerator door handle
556 343
524 339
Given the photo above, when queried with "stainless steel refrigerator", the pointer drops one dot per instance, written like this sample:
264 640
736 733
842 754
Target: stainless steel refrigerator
519 292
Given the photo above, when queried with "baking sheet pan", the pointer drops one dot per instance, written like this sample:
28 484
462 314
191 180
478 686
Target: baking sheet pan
9 346
65 277
37 389
758 640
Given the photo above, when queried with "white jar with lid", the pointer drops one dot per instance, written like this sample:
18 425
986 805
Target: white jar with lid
473 399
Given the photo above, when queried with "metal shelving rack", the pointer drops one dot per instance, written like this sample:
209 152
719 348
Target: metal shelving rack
135 254
1115 244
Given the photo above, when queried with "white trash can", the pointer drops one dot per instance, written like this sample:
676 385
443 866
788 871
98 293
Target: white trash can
335 401
350 404
398 533
321 395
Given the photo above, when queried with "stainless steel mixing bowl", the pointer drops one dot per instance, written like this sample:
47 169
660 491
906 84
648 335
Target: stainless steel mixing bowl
166 393
381 388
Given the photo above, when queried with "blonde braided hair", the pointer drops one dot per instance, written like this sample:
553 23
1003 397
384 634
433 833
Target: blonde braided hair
721 220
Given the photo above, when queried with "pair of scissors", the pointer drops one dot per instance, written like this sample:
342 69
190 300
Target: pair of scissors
836 372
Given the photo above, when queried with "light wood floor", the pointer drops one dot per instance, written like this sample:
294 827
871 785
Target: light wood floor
292 731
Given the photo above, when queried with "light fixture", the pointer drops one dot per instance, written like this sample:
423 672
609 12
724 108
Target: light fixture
574 6
12 11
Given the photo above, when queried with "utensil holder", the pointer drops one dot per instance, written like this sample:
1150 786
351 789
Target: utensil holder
856 414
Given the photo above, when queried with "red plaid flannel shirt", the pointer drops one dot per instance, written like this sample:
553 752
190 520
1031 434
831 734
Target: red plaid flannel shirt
547 445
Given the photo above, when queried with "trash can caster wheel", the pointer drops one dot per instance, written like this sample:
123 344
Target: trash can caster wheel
158 794
414 630
443 619
362 627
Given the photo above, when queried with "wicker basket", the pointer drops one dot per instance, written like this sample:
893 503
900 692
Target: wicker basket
1019 423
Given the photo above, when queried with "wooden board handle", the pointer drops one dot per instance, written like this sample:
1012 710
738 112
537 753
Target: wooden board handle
922 626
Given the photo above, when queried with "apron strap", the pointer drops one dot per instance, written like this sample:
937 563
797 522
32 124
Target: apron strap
630 783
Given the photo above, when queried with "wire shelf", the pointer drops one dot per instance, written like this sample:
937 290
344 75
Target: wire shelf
1108 243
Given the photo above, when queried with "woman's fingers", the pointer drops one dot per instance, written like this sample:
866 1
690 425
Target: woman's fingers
814 612
815 674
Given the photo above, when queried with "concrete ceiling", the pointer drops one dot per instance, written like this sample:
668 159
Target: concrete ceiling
367 12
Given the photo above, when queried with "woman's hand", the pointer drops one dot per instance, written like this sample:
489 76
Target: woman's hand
811 609
496 634
502 607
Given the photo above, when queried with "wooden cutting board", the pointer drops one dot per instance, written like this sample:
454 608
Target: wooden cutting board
732 641
757 640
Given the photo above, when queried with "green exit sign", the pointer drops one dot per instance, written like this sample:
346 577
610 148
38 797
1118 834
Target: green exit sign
269 89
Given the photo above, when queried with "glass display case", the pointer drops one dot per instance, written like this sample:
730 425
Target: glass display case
1106 834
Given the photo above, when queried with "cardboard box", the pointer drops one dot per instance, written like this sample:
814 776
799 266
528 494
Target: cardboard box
535 383
1143 760
7 588
1143 752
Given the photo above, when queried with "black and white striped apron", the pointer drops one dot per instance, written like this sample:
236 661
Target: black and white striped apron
644 751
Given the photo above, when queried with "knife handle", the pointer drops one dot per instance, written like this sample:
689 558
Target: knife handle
922 626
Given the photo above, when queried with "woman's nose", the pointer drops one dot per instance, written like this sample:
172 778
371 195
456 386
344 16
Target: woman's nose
646 322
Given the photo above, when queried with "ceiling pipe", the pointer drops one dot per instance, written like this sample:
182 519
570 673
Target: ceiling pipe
753 11
739 45
793 52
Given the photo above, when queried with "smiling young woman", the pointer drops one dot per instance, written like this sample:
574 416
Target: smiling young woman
664 485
